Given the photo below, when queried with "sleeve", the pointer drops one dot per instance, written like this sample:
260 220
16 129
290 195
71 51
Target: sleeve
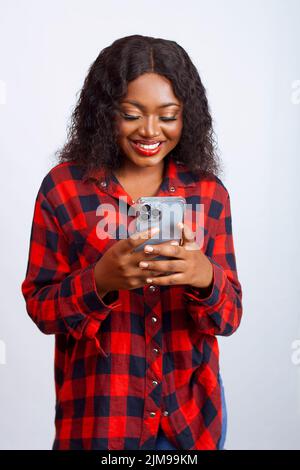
218 310
57 299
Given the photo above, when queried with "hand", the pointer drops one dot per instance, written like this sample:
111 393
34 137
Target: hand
118 268
191 265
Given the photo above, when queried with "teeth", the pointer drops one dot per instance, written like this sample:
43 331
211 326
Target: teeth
150 147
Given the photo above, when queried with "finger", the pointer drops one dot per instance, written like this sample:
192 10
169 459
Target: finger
151 274
174 266
137 238
187 233
171 279
140 255
164 249
188 237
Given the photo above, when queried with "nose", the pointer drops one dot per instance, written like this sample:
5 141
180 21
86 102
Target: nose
149 127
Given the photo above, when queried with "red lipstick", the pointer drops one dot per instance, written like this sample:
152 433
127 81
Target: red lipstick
147 152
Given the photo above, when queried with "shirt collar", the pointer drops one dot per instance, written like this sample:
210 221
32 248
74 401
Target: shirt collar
177 175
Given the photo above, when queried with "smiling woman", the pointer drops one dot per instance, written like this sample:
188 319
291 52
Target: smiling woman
151 88
136 350
148 127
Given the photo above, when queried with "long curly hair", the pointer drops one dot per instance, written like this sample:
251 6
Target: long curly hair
91 141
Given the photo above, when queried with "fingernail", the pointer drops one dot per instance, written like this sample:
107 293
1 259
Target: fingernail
143 264
174 242
148 280
148 248
180 225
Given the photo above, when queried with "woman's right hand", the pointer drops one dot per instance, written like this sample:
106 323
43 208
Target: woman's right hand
118 268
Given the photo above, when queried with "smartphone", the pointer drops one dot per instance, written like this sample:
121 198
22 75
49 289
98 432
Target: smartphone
162 212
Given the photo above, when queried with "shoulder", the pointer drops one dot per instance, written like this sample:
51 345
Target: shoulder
210 186
220 190
219 198
212 193
62 175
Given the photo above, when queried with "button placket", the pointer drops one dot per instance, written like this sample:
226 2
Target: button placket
153 335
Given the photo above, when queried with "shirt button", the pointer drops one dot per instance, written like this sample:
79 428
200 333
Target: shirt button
103 184
165 413
156 350
153 288
154 382
154 319
152 414
172 189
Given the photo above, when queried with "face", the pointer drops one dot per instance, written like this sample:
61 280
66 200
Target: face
149 120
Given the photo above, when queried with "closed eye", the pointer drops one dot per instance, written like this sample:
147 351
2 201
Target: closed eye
129 117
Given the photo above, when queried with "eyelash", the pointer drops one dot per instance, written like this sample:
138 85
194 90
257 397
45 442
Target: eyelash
129 117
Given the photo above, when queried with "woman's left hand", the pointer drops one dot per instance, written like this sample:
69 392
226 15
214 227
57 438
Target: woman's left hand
190 266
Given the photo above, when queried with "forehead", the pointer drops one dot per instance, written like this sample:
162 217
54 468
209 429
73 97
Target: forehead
151 90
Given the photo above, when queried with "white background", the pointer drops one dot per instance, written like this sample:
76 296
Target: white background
247 54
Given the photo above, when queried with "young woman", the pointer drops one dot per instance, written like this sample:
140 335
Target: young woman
136 350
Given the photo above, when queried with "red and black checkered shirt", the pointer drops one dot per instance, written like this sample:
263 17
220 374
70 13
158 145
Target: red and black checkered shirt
136 359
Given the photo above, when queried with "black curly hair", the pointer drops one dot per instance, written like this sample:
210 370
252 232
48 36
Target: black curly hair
91 139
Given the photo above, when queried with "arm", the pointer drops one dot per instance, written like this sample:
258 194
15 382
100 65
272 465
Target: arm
57 299
217 310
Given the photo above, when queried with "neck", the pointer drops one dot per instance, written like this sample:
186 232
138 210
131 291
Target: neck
129 171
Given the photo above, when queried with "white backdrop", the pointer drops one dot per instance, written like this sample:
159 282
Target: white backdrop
248 57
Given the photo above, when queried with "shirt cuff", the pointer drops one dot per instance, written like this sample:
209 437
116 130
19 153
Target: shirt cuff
105 304
99 306
195 294
83 301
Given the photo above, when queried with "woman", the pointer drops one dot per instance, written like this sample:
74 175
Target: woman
136 353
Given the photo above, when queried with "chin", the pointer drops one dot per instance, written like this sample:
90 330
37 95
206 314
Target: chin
148 161
142 160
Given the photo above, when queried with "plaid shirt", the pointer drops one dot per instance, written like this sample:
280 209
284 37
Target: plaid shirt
136 359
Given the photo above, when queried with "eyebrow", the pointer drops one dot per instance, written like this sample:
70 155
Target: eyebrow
139 105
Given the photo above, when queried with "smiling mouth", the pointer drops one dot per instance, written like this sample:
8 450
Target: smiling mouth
150 146
146 150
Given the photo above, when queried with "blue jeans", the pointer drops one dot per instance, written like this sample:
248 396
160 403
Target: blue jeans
162 442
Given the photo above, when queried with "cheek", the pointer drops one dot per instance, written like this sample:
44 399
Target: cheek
174 132
122 128
125 128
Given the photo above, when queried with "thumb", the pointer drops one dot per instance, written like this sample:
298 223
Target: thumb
188 237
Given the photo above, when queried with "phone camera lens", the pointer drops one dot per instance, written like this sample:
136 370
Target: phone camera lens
155 213
145 208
